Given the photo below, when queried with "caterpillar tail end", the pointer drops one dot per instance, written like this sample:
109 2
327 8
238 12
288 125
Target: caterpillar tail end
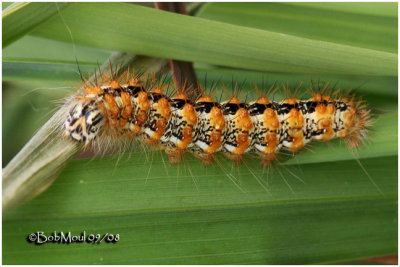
362 121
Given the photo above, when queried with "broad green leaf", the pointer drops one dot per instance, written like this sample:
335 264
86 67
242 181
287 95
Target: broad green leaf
33 49
19 71
365 86
305 20
290 233
114 26
170 218
385 9
21 18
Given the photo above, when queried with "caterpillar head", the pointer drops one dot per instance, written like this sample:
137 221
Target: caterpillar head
84 122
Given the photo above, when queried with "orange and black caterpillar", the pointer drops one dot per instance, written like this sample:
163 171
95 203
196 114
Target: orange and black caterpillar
124 108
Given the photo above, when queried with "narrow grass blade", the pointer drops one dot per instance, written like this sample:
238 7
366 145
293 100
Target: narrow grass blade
200 40
21 18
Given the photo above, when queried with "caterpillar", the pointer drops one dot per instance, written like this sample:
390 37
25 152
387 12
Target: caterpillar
124 107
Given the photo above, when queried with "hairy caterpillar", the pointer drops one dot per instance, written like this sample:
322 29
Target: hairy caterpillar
125 107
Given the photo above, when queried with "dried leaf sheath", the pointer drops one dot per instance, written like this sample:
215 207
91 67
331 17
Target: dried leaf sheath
37 164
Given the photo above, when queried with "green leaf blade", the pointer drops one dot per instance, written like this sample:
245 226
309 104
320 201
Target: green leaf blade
194 39
313 21
21 18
